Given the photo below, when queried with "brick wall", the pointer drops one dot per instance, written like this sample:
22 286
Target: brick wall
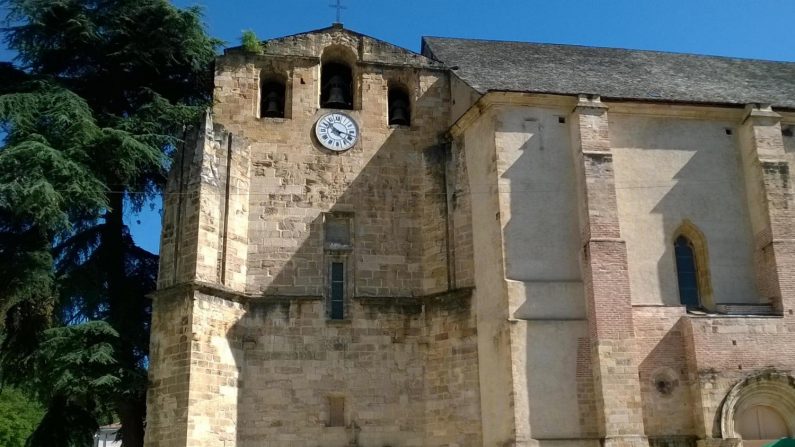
663 370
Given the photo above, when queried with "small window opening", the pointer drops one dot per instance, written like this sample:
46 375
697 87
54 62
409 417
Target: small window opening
562 120
336 91
686 272
728 131
272 100
336 411
788 131
399 107
337 296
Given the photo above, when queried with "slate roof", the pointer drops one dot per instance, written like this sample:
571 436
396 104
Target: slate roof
614 73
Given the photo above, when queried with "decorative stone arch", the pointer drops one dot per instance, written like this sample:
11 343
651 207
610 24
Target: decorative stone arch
701 252
774 389
341 55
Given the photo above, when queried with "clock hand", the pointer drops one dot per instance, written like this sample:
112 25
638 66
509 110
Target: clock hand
339 132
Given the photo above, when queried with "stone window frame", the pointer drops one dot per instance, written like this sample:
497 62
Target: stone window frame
269 75
341 254
344 259
338 402
771 388
698 243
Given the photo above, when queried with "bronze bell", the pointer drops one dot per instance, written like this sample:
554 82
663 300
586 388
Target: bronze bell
337 93
399 112
272 105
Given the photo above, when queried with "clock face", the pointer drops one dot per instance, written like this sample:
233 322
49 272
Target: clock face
337 131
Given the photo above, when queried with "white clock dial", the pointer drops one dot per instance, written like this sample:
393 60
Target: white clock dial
337 131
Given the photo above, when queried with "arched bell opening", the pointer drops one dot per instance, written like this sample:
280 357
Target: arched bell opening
336 86
272 99
399 106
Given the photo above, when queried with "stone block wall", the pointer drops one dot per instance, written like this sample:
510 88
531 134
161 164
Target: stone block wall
205 217
452 391
250 200
392 183
460 214
215 355
295 361
169 370
264 373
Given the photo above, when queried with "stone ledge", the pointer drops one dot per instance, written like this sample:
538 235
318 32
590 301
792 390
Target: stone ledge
448 299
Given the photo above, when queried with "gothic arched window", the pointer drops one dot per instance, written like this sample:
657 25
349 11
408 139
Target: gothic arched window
692 267
686 272
336 86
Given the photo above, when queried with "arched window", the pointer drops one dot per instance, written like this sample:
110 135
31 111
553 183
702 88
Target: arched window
686 272
272 95
399 106
336 86
692 267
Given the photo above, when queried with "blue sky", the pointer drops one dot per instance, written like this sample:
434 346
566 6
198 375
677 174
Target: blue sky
748 28
761 29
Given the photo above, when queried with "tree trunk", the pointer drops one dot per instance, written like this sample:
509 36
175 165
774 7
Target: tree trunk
132 414
124 315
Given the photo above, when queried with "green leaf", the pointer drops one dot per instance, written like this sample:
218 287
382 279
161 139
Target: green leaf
20 414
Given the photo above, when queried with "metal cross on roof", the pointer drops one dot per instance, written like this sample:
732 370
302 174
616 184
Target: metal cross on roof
339 7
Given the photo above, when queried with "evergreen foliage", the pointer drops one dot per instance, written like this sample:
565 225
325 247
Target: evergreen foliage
102 93
19 415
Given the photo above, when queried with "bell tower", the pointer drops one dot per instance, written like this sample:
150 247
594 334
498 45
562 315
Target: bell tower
309 286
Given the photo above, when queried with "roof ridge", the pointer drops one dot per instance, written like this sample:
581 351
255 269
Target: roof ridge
626 50
340 27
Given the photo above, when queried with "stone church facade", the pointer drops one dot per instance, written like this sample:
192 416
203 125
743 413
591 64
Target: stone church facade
524 244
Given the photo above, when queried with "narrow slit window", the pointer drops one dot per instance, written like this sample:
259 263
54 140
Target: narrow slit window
687 272
337 295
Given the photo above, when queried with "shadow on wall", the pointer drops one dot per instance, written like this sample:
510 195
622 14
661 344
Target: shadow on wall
541 230
697 178
394 363
664 378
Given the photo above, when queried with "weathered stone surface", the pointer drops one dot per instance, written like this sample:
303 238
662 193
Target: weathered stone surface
509 268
